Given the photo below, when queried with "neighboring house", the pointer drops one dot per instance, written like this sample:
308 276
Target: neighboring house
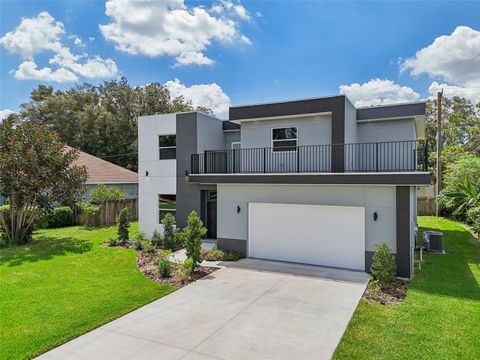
104 172
313 181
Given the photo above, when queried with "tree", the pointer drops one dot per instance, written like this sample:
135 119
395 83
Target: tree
191 236
35 172
102 120
123 226
102 194
169 234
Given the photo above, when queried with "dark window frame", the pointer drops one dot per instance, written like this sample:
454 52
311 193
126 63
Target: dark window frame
287 143
171 199
169 151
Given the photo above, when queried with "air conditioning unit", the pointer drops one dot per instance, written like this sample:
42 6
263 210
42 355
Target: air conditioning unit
433 241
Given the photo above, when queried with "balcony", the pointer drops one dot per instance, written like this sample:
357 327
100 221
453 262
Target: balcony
397 156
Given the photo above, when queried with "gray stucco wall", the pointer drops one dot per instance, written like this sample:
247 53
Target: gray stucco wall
231 136
388 130
380 199
195 133
313 130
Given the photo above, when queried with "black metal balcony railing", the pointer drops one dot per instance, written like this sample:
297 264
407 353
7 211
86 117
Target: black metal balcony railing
397 156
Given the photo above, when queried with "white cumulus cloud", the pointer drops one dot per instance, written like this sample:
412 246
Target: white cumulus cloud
4 113
469 93
44 34
211 96
454 58
378 92
171 28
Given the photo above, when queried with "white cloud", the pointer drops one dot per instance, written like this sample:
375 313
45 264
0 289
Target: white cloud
454 58
77 41
211 96
44 34
4 113
171 28
378 92
28 71
472 94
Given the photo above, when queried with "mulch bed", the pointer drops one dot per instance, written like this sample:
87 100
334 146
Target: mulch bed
146 264
390 295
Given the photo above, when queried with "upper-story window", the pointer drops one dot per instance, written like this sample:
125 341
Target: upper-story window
167 145
284 139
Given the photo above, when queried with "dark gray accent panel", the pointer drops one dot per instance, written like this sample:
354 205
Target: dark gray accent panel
229 126
403 231
188 195
232 245
381 112
332 179
333 104
368 260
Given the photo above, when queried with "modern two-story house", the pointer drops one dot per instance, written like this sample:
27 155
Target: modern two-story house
313 181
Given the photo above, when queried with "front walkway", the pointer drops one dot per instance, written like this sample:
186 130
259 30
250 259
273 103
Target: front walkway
252 309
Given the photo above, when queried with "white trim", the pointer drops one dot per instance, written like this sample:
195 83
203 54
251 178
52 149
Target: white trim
235 142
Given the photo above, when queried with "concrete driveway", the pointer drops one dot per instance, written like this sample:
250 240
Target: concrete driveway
250 310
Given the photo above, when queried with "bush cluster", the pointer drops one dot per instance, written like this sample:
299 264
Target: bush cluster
59 216
384 268
215 254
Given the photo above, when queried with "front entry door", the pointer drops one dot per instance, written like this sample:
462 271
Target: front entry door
212 214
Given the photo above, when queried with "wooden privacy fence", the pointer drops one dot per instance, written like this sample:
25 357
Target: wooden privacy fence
426 205
109 212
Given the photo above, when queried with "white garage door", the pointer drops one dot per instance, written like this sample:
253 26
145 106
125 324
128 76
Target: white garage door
309 234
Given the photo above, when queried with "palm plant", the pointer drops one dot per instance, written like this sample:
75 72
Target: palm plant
466 197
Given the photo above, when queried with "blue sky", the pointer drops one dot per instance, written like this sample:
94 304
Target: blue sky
269 51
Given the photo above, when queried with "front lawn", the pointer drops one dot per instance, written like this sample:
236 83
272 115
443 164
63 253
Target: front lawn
64 284
440 317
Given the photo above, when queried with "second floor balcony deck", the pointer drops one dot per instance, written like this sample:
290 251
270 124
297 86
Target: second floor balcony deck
396 156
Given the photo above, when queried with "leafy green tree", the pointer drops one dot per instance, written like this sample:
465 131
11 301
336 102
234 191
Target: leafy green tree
35 172
191 237
123 226
102 120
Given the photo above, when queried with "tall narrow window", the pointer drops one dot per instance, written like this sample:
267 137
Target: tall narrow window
167 145
167 204
284 139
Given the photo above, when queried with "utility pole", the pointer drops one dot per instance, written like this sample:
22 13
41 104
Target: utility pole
439 147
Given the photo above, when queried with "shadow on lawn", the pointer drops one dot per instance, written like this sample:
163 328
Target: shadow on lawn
451 274
44 248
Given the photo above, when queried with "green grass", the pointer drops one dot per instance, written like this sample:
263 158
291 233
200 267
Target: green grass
439 319
64 284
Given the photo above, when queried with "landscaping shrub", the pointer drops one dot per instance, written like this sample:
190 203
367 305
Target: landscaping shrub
383 269
169 233
473 214
60 216
102 194
463 199
149 248
185 269
123 225
157 239
138 241
112 241
191 237
165 253
90 212
164 268
215 254
189 266
476 225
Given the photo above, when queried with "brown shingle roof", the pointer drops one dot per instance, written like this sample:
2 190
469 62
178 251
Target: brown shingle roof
104 172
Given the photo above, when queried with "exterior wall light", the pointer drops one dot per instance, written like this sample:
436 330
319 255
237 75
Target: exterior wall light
146 173
375 216
238 209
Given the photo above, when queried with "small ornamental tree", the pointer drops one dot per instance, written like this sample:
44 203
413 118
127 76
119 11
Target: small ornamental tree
169 234
191 236
36 171
123 225
383 269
